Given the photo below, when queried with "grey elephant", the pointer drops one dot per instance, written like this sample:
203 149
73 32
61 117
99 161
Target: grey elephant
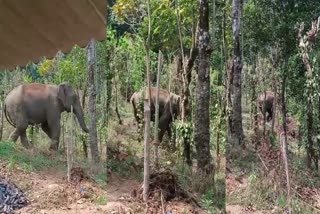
265 103
166 114
35 103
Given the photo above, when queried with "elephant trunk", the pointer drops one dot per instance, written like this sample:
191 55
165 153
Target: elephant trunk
80 116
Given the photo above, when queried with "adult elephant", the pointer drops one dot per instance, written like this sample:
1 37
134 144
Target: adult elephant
36 103
169 108
265 104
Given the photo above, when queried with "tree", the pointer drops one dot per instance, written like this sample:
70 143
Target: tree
236 130
93 139
306 46
202 119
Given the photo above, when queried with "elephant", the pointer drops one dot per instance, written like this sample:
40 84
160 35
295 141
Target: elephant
166 115
267 106
36 103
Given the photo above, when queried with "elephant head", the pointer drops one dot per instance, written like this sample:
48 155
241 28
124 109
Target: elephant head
68 98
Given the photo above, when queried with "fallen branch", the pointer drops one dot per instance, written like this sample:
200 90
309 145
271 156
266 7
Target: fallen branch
263 162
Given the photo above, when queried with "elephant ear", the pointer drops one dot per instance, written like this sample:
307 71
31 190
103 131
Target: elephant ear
62 96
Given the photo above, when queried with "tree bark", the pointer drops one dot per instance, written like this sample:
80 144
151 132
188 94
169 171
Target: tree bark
147 115
156 121
264 114
254 109
310 149
237 135
2 119
202 116
93 138
70 148
284 140
274 85
116 101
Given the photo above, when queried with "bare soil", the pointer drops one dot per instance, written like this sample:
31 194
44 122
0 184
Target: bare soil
49 192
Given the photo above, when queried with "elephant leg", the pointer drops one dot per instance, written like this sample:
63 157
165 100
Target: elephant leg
54 127
24 139
46 129
14 135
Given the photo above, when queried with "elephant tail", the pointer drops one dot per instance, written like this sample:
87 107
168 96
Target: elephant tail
133 103
134 107
8 116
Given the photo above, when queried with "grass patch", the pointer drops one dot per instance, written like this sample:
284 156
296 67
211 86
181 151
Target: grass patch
29 161
101 200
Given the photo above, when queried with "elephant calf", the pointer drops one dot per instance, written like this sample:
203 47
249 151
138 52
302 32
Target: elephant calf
265 104
36 103
166 115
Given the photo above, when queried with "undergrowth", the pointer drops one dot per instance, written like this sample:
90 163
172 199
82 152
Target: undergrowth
28 160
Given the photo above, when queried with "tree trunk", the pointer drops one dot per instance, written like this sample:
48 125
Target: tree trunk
202 114
93 139
237 135
116 100
2 119
70 147
310 149
146 172
254 109
156 123
147 115
284 141
264 114
274 85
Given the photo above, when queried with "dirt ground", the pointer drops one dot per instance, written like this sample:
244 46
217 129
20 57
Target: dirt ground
49 192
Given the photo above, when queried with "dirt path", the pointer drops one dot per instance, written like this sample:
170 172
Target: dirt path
49 193
238 209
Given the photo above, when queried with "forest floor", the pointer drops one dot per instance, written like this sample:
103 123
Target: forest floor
255 180
123 188
43 180
42 176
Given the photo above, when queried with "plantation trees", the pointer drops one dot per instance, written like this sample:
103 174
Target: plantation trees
236 130
202 119
93 141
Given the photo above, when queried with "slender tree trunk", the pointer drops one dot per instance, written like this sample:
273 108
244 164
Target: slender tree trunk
264 114
202 114
156 123
116 100
237 135
93 139
70 147
254 108
147 115
310 149
63 128
2 119
274 84
227 101
284 141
